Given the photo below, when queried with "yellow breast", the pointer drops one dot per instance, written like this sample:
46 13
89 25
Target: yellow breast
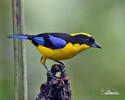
67 52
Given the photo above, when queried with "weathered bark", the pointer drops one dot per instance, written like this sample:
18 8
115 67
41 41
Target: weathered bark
55 89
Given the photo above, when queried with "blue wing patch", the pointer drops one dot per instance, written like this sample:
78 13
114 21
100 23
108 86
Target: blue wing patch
57 42
39 40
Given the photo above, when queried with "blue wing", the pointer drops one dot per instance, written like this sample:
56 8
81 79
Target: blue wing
38 40
57 42
49 41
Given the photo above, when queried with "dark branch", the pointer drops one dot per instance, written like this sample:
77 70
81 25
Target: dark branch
56 89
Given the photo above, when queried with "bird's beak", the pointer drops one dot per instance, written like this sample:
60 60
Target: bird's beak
96 45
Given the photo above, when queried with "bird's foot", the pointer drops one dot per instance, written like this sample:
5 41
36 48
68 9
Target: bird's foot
52 75
64 66
64 69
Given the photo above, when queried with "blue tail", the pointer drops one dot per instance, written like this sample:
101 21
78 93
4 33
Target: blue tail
19 36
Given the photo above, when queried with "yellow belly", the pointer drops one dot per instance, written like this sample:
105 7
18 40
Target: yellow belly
67 52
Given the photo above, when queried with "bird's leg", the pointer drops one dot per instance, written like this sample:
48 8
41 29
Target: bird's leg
46 68
61 64
49 72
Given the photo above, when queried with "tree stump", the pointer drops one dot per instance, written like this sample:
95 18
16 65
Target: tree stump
55 89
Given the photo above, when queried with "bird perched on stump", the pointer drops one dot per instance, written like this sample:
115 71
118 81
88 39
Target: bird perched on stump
59 46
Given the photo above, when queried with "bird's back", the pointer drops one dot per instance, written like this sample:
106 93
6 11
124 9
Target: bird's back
59 40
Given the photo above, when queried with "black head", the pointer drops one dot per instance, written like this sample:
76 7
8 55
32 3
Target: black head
91 42
84 38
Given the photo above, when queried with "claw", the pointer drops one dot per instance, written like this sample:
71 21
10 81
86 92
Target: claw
52 75
64 69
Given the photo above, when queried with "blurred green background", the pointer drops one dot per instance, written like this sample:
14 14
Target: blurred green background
90 71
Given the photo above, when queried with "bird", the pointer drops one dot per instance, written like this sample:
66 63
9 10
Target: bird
59 46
